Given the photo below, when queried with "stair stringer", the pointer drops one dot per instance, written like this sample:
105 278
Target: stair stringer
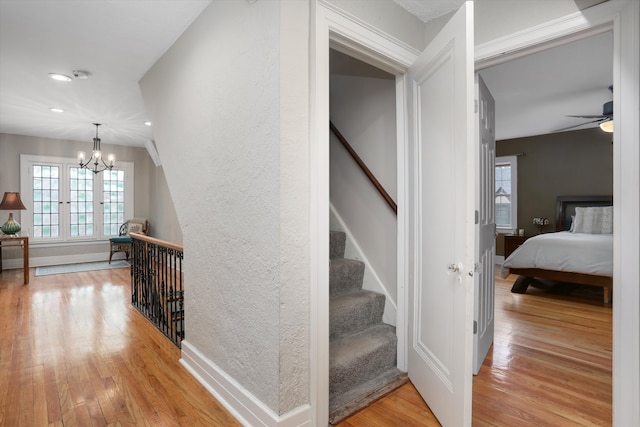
371 280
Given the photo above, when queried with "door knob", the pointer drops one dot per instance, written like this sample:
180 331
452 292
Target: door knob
455 268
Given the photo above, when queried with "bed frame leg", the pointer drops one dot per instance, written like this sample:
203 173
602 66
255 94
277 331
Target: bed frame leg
521 284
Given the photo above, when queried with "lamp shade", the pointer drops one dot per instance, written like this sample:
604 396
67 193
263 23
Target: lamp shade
11 202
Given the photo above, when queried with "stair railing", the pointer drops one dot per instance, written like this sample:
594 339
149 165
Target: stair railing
157 288
364 168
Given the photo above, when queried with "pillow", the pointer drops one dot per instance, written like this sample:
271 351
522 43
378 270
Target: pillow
135 227
594 220
573 224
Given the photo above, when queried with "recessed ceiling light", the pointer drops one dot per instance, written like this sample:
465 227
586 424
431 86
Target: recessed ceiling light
56 110
147 123
60 77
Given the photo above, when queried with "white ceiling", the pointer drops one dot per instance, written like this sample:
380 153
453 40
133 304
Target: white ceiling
431 9
535 93
117 41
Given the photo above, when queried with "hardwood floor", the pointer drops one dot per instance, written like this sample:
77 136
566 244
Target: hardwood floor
75 353
550 365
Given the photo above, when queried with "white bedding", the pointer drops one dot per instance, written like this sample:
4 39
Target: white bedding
565 251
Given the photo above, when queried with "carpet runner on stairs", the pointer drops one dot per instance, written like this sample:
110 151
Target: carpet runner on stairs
362 358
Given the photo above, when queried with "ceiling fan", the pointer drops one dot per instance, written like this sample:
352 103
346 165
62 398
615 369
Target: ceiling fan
605 117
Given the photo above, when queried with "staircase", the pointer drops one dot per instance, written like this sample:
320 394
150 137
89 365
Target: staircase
362 358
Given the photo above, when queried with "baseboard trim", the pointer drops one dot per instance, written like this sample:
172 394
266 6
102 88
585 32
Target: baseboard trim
13 263
244 406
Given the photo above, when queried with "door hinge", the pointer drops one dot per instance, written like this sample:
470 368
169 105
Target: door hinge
475 105
477 216
475 327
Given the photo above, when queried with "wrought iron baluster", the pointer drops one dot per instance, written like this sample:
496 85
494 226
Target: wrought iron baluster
157 285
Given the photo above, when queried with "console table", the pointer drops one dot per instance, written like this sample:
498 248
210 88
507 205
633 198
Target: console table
17 241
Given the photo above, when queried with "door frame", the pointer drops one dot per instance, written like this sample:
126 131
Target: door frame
337 29
607 16
332 27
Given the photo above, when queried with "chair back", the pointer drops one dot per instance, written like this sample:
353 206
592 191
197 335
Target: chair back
135 225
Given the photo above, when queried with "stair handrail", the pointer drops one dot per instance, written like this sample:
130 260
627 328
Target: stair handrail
158 242
364 168
157 284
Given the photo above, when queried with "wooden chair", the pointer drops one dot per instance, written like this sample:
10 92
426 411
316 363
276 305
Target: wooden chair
122 243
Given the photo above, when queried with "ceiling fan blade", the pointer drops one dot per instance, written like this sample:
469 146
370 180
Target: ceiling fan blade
595 116
581 124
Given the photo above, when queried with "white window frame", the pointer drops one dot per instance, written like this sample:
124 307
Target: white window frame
513 162
27 162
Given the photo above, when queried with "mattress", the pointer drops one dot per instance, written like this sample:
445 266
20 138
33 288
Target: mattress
565 251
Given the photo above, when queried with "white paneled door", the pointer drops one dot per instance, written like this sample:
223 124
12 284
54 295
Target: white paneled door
442 168
485 225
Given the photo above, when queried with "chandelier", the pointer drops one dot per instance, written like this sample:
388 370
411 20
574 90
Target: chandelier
96 163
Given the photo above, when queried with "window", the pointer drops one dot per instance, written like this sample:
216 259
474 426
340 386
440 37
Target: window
506 193
67 203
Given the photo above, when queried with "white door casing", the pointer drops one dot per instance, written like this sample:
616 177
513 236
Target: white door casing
442 172
623 17
330 22
483 312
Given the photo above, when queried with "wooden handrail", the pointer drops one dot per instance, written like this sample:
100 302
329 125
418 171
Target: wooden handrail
157 241
364 168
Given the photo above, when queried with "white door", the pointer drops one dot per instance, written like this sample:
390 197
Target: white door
485 225
440 92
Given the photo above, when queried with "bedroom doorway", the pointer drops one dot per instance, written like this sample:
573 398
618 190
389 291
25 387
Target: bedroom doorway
554 157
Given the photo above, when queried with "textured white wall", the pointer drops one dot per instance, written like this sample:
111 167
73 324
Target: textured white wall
363 109
231 129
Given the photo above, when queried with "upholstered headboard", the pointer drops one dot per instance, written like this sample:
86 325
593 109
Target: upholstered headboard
566 206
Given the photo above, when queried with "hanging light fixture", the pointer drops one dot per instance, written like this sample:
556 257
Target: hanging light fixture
96 158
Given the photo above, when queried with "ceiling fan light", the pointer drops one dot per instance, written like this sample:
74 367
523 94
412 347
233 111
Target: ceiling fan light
607 126
60 77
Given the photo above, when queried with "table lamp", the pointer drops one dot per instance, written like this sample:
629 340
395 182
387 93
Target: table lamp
11 202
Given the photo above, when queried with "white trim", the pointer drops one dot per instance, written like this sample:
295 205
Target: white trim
319 215
623 17
359 39
402 221
153 152
578 25
45 261
626 249
339 30
243 405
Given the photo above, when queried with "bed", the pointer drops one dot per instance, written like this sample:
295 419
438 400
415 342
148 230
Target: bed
582 257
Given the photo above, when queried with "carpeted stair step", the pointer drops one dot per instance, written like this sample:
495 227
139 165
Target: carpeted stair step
354 311
357 358
345 275
337 241
362 395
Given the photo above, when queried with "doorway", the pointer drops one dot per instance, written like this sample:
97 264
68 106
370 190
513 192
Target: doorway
328 29
578 160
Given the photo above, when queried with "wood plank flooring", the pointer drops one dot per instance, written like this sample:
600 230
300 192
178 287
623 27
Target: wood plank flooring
550 365
75 353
